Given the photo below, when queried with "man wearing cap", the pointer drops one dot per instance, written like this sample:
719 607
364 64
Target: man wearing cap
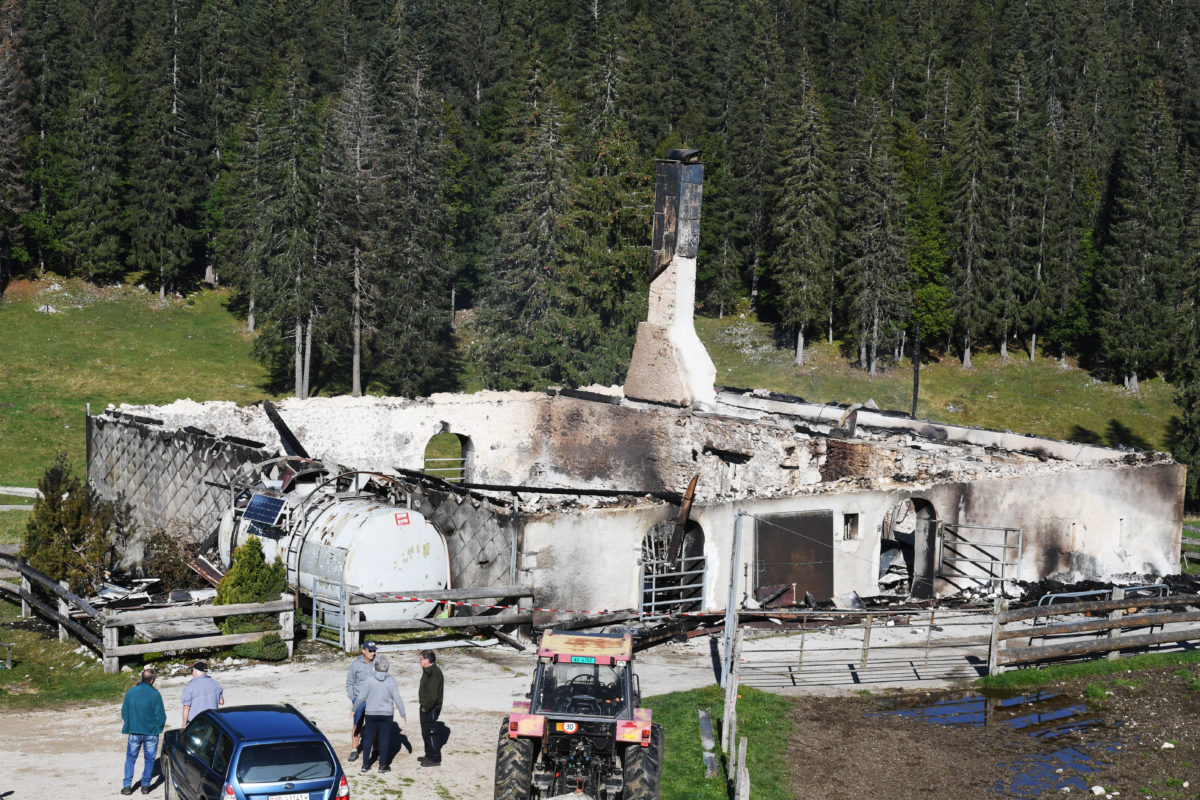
201 693
355 685
143 718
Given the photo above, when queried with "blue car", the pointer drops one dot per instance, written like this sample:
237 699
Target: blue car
251 753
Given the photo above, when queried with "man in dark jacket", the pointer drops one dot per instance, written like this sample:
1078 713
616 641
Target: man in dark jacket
429 697
144 716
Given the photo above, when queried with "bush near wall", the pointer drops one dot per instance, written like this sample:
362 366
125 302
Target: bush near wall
250 580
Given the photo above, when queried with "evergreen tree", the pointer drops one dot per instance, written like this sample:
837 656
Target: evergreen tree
413 261
1017 298
877 271
803 261
1137 279
93 226
163 177
14 193
516 349
971 228
70 530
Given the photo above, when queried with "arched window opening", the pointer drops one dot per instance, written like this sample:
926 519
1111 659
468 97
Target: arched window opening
448 456
905 548
671 586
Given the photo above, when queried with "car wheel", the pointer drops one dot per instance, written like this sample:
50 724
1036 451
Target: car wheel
168 789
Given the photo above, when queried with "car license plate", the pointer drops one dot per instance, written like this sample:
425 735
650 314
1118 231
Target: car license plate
296 796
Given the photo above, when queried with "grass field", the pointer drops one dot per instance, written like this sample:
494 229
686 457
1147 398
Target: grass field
1043 397
107 345
122 345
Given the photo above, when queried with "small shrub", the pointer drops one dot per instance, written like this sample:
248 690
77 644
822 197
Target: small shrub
268 648
250 580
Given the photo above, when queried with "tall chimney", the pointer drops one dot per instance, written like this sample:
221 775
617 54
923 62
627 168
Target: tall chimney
670 364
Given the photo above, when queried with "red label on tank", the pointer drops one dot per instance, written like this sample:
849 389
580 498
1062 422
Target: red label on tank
402 518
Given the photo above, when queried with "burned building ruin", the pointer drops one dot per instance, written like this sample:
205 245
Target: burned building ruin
577 493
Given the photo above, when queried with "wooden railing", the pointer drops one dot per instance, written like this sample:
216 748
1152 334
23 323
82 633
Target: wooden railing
113 621
105 639
1189 545
1101 632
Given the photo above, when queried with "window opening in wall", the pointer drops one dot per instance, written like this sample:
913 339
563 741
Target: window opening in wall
906 548
447 456
672 587
849 526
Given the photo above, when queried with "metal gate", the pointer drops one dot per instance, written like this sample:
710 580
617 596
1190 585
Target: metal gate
328 612
978 554
670 587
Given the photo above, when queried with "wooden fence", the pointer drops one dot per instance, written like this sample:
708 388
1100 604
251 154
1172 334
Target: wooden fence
1189 544
101 629
1103 631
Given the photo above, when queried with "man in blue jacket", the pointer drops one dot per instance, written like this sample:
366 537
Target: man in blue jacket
144 716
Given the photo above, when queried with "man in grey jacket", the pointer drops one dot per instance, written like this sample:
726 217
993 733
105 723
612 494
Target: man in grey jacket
377 697
356 679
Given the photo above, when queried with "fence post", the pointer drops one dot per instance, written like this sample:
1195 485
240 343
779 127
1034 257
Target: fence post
65 611
27 588
866 648
999 607
112 640
1114 633
929 636
742 790
287 626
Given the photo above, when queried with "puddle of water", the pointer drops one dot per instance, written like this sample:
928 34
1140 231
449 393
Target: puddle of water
1074 735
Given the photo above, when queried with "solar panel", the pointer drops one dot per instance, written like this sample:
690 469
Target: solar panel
265 509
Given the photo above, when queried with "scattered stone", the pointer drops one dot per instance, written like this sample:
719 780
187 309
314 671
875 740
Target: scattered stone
1167 746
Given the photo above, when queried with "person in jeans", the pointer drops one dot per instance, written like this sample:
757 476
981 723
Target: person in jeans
377 696
429 696
356 678
144 716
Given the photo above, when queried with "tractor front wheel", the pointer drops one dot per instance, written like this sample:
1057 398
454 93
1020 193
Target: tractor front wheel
514 766
643 768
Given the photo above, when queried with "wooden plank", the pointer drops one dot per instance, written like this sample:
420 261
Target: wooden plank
85 636
1101 624
198 643
708 743
174 614
1021 654
478 593
439 622
1098 606
19 565
1192 554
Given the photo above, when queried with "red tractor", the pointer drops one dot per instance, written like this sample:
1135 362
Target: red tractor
582 731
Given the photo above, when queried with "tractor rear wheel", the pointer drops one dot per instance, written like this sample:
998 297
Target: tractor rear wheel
514 766
643 768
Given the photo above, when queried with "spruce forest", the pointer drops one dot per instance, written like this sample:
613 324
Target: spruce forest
936 176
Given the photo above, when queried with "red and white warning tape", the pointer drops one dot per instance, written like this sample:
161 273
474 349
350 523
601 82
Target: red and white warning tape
518 608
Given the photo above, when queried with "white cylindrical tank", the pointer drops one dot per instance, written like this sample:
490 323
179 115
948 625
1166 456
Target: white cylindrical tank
360 542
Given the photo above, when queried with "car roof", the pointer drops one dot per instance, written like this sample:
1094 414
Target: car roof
605 648
265 722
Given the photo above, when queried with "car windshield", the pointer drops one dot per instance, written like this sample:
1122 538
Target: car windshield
590 689
285 761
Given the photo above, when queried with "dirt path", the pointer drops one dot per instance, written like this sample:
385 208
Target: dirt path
80 752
